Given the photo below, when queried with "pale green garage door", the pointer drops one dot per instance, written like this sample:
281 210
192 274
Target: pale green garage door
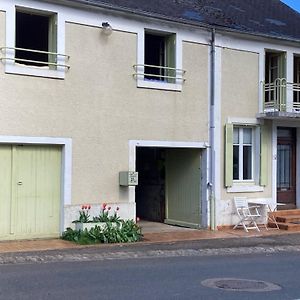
183 187
30 179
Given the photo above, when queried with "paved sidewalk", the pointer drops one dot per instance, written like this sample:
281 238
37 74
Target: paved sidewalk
163 234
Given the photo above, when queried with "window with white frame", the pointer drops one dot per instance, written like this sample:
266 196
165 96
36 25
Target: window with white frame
159 61
159 57
243 149
36 38
246 157
35 42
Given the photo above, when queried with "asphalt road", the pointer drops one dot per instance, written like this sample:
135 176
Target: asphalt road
151 278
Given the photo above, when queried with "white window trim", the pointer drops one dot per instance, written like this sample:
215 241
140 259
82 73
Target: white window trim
248 186
241 187
141 60
10 66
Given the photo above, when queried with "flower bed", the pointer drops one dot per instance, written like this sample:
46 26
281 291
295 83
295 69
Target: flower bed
104 228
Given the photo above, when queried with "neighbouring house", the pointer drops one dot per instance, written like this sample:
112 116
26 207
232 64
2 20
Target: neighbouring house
166 109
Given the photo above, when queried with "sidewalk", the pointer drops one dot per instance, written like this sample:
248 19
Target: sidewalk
157 234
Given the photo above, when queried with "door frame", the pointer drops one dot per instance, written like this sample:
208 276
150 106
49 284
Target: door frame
133 144
277 124
66 166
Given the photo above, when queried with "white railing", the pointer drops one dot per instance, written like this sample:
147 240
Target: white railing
275 95
52 62
166 74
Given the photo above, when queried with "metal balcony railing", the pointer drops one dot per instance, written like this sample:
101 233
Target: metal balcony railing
275 95
158 73
54 59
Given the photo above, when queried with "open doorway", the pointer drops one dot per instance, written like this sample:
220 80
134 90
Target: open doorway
150 193
169 189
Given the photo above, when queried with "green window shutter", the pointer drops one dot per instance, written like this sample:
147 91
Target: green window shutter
52 40
228 155
171 56
263 155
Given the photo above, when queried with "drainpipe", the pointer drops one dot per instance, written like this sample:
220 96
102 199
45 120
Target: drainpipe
211 183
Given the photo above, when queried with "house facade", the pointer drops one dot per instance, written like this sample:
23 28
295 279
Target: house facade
94 93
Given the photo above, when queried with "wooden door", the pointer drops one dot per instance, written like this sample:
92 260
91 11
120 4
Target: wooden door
286 167
183 187
30 191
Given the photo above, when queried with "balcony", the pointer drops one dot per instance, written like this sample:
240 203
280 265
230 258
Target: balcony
281 100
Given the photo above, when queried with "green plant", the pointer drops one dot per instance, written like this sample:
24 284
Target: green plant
84 216
104 215
122 232
115 217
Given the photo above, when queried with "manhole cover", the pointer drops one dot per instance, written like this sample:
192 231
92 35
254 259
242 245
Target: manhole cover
242 285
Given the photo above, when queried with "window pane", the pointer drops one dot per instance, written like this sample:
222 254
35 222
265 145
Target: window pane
32 33
247 136
284 166
235 162
155 56
235 135
247 163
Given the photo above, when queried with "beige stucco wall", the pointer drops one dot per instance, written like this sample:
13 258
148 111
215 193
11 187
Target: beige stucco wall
240 90
99 106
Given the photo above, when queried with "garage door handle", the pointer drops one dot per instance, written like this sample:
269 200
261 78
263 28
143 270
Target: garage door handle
20 182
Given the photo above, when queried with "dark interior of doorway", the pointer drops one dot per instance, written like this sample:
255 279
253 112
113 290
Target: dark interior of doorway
150 192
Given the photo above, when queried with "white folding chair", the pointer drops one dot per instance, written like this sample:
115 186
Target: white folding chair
247 214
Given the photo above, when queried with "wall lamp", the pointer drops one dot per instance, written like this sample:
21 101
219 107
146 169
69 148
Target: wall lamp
106 28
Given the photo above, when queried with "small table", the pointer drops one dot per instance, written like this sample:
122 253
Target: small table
270 212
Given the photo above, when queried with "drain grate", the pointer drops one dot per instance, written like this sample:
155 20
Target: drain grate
242 285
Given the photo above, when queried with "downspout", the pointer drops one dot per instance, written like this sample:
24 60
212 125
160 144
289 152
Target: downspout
211 184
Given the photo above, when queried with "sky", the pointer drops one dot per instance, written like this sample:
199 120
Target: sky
295 4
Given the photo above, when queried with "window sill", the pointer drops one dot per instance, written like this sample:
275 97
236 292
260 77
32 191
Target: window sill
34 71
159 85
245 188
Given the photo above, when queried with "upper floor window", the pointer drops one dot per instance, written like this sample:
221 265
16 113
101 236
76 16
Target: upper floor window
275 66
35 41
160 58
36 38
275 81
159 61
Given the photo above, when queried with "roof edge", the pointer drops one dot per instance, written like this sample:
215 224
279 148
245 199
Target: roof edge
89 3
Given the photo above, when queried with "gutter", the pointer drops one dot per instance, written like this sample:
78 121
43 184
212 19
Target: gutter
211 183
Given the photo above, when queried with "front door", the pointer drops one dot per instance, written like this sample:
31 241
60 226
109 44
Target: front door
286 167
183 182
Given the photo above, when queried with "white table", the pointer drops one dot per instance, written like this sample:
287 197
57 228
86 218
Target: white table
271 208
